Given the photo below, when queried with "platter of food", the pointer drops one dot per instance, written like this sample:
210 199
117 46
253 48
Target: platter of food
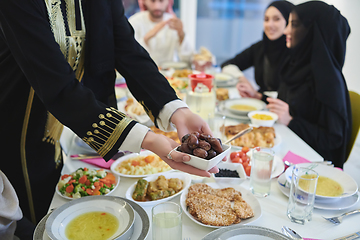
173 134
134 109
242 155
105 217
333 184
344 203
217 205
258 137
139 165
158 188
86 182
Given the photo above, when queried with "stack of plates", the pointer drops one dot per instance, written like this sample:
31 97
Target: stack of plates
347 199
224 80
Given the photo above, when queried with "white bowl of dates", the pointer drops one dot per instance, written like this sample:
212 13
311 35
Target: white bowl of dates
205 151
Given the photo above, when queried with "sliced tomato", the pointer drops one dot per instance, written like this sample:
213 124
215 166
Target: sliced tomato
65 176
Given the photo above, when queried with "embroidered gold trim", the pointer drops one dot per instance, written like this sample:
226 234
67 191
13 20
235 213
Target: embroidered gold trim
148 111
107 131
71 46
23 155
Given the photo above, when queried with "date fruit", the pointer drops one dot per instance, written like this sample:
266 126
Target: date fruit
200 145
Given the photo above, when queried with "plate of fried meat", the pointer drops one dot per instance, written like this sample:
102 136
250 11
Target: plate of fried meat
215 205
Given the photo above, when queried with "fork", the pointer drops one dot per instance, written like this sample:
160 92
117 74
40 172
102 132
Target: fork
338 219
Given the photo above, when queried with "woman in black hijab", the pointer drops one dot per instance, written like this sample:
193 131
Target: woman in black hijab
314 97
266 55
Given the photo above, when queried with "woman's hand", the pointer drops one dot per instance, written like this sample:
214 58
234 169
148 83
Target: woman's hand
246 89
162 146
187 122
281 108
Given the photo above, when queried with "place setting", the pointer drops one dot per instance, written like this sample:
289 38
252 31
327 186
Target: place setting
335 190
119 217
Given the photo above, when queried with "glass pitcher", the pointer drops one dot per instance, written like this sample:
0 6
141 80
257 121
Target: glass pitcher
201 95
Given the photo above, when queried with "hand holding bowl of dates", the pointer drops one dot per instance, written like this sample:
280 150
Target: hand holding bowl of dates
204 150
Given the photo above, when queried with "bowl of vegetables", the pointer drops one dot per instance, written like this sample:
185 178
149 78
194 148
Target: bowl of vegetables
87 182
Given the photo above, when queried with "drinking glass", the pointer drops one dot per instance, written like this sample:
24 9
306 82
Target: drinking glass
302 195
166 221
261 168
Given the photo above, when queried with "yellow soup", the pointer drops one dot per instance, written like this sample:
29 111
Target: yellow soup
243 107
262 117
92 226
325 186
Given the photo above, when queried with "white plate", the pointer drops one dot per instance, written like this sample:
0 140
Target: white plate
225 80
246 195
69 198
59 219
175 65
141 225
182 176
132 155
245 233
340 204
80 143
258 104
345 180
143 119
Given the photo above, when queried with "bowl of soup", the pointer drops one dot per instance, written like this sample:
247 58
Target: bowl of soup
243 106
93 217
333 184
262 118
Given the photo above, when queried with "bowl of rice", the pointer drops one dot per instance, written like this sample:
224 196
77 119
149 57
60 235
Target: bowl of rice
143 164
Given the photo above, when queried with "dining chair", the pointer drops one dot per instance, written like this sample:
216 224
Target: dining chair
355 109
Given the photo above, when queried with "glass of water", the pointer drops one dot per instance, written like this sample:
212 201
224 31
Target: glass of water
302 195
166 221
261 167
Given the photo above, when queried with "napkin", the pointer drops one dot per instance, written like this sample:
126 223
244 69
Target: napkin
100 162
294 158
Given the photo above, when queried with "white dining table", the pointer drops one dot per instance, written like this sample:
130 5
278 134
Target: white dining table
273 207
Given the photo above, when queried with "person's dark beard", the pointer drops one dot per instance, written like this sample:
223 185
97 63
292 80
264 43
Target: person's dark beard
157 14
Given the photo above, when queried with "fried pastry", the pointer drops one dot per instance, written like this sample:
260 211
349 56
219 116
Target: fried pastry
258 137
217 207
243 209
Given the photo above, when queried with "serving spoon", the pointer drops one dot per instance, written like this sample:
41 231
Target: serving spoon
239 134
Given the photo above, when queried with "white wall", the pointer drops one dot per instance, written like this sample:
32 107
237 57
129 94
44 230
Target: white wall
350 10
